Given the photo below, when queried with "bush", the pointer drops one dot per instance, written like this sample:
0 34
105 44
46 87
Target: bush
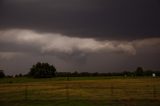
2 74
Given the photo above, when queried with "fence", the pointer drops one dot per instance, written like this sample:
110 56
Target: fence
70 90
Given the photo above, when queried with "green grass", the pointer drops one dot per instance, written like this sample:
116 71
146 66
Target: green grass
26 79
82 103
80 91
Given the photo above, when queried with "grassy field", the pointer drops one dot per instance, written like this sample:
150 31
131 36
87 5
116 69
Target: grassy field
80 91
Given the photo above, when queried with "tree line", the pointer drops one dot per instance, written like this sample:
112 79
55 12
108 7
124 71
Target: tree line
138 72
45 70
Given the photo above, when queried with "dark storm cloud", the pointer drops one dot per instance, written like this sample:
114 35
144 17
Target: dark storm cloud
17 40
81 35
28 40
20 49
102 19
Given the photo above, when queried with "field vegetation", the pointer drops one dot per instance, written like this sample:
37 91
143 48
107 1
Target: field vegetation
80 91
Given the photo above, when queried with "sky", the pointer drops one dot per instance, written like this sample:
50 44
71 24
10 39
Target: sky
79 35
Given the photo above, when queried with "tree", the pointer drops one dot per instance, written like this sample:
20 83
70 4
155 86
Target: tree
2 74
148 72
139 71
42 70
127 73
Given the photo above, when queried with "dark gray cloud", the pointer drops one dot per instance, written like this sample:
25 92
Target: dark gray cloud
102 19
28 40
26 47
81 35
94 62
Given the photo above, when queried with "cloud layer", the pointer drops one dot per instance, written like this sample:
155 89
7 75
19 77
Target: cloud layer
58 43
101 19
85 35
51 42
21 48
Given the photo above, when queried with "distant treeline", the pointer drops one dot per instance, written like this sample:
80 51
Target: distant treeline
138 72
125 74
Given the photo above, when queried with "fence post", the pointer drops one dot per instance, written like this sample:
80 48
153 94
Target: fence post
67 91
112 91
26 92
67 88
80 88
154 91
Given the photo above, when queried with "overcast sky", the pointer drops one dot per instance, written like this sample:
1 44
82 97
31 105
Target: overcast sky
80 35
